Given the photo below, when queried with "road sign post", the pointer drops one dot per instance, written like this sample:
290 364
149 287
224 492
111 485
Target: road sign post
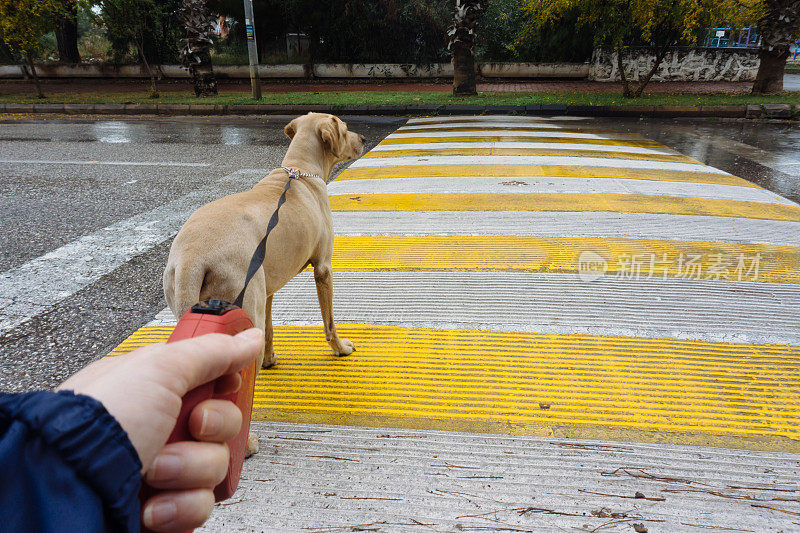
252 49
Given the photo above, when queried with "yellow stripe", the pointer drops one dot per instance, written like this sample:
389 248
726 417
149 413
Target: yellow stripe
489 127
515 138
565 202
777 264
521 171
533 384
531 151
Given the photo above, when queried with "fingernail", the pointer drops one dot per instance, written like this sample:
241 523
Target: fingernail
166 467
160 513
252 333
212 423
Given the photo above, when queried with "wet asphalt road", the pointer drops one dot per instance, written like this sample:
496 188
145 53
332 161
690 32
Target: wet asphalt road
45 205
57 187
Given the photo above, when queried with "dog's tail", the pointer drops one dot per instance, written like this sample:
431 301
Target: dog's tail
182 286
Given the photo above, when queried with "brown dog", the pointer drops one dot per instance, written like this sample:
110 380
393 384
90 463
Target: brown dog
210 255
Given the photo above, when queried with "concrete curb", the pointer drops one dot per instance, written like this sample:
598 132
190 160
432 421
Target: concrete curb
769 111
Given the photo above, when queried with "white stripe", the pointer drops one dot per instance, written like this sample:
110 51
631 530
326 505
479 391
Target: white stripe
495 118
39 284
422 135
114 163
567 161
491 185
548 303
333 479
505 124
646 226
523 146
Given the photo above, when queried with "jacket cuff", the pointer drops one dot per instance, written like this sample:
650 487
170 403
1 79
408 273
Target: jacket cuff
93 443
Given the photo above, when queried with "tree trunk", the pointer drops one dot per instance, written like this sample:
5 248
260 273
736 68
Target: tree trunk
769 79
67 36
463 71
153 89
626 87
462 45
660 55
39 92
196 55
205 84
778 29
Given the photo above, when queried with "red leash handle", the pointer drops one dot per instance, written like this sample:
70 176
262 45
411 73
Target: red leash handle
214 316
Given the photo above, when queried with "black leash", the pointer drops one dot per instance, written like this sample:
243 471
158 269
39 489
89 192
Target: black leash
261 249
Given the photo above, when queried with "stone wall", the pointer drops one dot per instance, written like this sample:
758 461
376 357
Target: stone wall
680 64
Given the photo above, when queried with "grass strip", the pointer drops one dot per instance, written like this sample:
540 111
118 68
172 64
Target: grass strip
391 98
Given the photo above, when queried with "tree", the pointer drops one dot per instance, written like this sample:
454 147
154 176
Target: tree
22 22
196 55
779 27
620 24
462 45
128 21
67 33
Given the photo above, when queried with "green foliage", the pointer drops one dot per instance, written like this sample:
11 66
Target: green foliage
502 36
152 24
24 22
620 23
353 31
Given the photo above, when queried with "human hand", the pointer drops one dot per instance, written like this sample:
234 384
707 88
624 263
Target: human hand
142 390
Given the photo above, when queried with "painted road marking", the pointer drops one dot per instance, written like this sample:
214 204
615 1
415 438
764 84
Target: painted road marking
523 135
113 163
39 284
624 203
425 480
510 141
776 264
552 184
404 153
547 224
519 145
548 303
465 160
494 118
484 381
499 125
526 171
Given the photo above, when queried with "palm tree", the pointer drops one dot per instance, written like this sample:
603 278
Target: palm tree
462 45
196 55
778 28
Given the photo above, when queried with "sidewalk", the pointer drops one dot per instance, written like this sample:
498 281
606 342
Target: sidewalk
557 327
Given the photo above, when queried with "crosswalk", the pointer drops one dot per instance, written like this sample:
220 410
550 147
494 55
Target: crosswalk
542 278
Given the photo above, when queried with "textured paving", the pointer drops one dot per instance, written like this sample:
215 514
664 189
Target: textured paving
535 277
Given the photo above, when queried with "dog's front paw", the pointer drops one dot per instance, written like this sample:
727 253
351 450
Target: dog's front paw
346 347
269 361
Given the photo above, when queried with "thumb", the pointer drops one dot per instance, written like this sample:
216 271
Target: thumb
193 362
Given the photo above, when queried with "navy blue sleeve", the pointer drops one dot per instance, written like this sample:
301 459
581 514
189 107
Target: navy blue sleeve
65 465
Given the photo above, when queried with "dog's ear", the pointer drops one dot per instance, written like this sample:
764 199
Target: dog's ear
331 136
290 129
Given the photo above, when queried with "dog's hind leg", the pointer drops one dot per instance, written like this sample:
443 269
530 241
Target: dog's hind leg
324 280
269 349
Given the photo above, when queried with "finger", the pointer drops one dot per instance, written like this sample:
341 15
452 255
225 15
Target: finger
199 360
178 510
215 421
189 465
228 384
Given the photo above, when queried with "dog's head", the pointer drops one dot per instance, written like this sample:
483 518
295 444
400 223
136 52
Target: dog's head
337 140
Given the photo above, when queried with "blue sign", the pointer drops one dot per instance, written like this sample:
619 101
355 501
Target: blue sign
251 34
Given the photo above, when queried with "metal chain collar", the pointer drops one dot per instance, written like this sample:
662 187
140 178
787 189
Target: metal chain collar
294 174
